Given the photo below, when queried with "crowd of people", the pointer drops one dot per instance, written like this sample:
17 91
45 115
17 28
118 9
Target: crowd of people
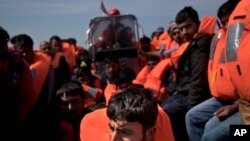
190 83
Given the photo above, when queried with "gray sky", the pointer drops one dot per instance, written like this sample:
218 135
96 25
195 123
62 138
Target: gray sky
70 18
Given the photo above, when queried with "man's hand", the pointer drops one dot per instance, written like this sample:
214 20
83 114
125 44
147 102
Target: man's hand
226 111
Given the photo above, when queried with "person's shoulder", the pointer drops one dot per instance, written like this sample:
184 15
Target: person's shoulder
98 114
202 39
16 61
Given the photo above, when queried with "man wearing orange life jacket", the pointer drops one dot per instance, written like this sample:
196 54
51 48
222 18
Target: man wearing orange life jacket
39 62
141 77
75 48
155 42
167 43
191 76
112 68
220 111
237 55
84 60
58 64
17 90
70 104
154 78
97 123
145 46
69 52
43 77
124 80
92 86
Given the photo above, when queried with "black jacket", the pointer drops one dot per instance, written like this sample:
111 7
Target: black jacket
192 70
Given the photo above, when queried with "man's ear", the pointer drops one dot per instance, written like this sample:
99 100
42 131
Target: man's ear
150 133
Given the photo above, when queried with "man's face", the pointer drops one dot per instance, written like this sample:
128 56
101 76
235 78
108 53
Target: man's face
187 29
71 105
122 130
45 48
112 69
145 46
151 64
176 35
55 45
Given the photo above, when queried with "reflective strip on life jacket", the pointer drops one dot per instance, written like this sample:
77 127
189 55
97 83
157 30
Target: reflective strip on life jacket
233 39
237 52
213 46
220 83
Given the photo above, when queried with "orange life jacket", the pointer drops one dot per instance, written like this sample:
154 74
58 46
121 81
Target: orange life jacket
220 83
163 127
165 39
154 78
207 25
153 82
94 126
28 95
77 48
109 90
92 95
40 68
175 56
154 44
237 48
141 76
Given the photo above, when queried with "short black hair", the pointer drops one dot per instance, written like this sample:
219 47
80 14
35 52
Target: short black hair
55 37
227 8
4 36
185 13
83 52
70 87
145 39
22 41
134 105
72 41
111 59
